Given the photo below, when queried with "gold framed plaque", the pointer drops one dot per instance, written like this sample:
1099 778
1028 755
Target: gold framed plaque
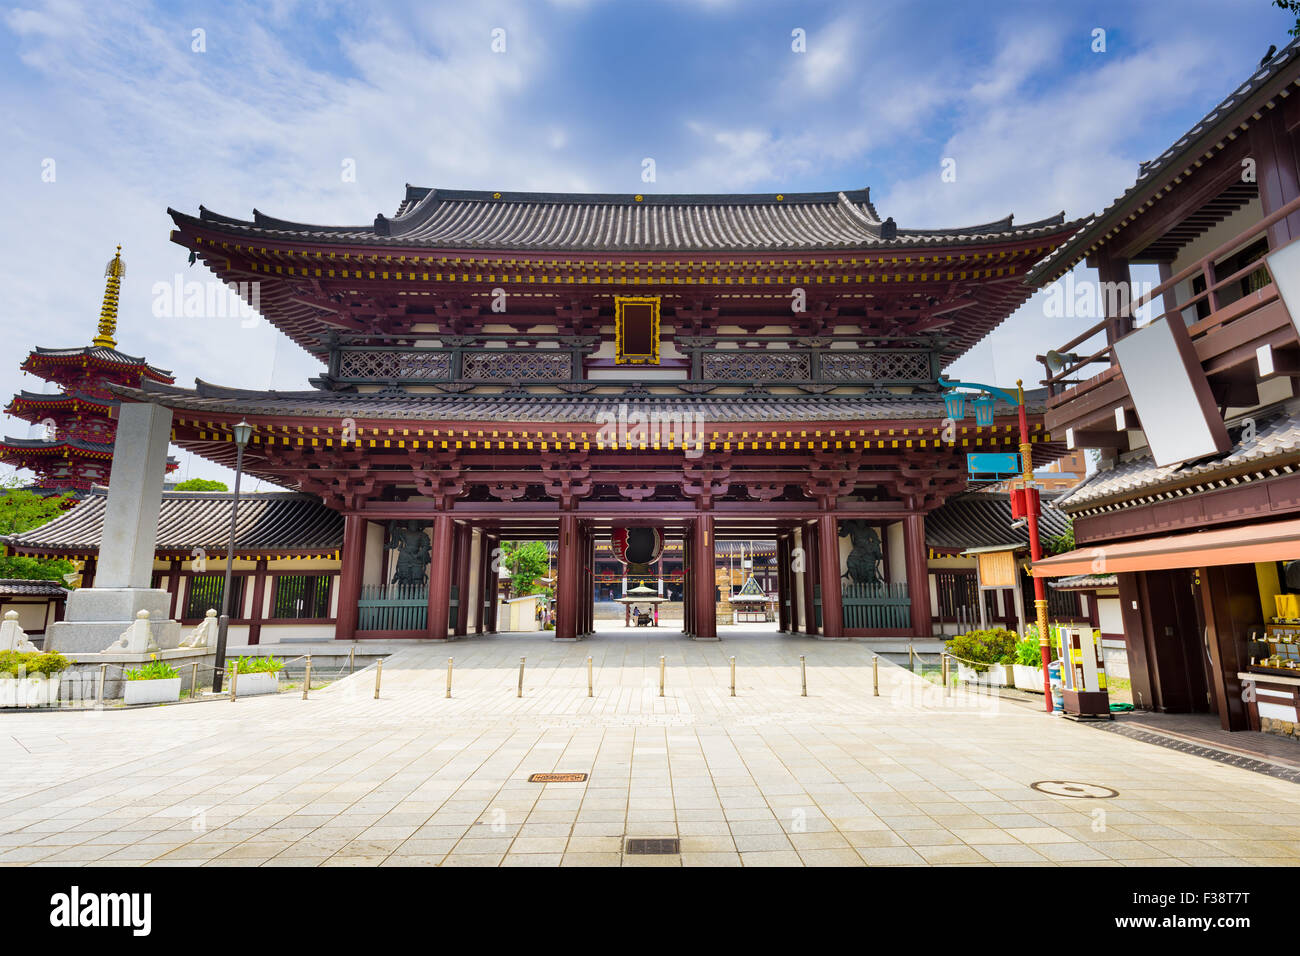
636 330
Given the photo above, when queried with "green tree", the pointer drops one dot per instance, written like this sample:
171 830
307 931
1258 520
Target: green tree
1292 7
1061 543
21 510
526 561
201 484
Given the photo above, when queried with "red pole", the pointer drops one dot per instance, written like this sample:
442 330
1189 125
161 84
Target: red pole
1035 543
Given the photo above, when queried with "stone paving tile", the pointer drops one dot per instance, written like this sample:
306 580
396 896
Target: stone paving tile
771 858
765 778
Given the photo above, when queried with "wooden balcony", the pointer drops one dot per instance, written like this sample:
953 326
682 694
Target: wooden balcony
812 364
1226 341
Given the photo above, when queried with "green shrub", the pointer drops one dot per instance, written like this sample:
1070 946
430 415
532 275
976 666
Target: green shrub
979 649
258 665
16 663
1028 653
154 670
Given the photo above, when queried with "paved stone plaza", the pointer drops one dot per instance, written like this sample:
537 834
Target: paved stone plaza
767 778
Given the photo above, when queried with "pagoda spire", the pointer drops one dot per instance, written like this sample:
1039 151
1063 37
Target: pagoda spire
115 269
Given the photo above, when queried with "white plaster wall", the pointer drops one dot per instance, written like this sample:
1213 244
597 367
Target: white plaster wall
897 553
1110 618
475 552
273 633
374 570
799 609
31 617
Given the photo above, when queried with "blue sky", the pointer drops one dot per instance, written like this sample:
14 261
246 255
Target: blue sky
285 92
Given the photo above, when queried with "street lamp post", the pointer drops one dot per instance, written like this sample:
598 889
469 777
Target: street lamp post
243 431
1032 513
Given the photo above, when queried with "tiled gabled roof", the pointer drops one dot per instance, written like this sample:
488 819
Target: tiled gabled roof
983 520
104 354
1276 445
563 408
1083 582
1223 123
268 523
30 587
474 219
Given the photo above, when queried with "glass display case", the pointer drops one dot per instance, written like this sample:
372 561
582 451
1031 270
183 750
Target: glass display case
1275 649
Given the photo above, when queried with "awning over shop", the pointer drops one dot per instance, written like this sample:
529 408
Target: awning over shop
1272 541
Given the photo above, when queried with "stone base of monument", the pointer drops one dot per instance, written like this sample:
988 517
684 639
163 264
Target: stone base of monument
93 618
81 680
130 647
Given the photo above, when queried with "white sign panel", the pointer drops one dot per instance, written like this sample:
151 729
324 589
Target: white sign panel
1284 266
1176 426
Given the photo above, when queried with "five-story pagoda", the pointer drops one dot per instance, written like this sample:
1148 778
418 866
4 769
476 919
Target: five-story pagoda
76 451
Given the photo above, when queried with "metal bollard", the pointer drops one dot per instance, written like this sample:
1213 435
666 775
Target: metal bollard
947 690
661 675
194 679
521 677
589 693
450 660
803 675
875 676
733 676
306 678
379 675
234 679
103 676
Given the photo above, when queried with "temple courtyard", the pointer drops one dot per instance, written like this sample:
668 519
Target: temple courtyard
768 777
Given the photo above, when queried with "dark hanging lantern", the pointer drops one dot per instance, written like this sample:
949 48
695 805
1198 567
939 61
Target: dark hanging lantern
639 546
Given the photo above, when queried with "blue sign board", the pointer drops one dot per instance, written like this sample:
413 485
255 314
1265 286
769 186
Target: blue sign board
993 463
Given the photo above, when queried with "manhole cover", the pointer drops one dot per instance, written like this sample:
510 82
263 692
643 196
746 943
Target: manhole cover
640 846
557 778
1066 788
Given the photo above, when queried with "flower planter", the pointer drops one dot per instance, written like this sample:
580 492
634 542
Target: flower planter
163 690
37 690
1028 678
262 682
997 675
1000 675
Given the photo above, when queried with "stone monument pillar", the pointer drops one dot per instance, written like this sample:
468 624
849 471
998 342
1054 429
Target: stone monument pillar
96 617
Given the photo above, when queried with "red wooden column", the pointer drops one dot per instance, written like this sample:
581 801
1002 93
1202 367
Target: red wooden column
1118 324
440 562
688 586
828 558
809 577
568 584
918 574
782 586
259 598
173 586
584 605
353 566
706 618
1273 144
589 596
